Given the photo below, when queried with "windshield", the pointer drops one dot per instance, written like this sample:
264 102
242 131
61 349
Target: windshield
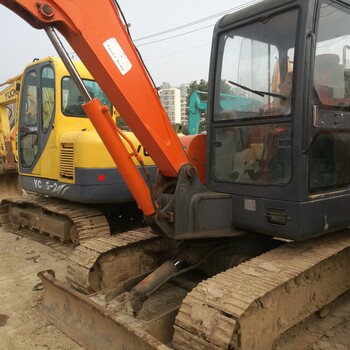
72 99
256 68
332 59
253 102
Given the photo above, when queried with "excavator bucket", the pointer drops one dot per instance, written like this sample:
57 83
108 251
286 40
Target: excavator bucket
86 320
9 185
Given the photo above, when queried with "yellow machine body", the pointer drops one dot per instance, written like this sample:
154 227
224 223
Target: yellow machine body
9 96
60 153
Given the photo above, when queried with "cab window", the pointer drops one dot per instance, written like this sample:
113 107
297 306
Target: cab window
253 102
72 100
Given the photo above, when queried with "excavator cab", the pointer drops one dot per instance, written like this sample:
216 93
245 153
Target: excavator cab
60 152
286 158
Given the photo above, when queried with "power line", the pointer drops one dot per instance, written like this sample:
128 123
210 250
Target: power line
182 26
175 36
237 8
177 52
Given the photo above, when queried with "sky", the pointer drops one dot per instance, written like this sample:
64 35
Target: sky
175 60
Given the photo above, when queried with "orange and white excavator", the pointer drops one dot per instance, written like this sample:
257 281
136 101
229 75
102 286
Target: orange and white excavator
234 261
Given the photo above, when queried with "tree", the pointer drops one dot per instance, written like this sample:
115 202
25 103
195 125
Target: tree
226 88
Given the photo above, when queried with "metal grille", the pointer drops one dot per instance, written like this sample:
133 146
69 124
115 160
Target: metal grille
67 161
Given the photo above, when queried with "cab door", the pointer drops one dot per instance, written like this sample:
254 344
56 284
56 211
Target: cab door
329 155
35 116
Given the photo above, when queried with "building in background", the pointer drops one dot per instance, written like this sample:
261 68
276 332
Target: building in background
174 100
183 102
170 98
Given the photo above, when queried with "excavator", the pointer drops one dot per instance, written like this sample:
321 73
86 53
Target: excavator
8 160
197 105
238 258
195 109
60 157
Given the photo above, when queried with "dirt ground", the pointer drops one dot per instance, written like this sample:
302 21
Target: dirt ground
21 324
23 327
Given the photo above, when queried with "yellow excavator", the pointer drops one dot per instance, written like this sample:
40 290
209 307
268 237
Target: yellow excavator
8 148
237 259
60 155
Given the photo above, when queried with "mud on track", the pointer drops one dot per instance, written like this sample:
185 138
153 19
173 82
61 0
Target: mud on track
23 253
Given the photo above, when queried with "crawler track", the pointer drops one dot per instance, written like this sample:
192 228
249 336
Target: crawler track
85 222
328 329
63 248
250 306
99 262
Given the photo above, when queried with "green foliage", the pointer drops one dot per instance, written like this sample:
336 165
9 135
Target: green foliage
184 129
225 88
180 128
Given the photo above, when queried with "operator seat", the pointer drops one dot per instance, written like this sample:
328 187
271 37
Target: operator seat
329 77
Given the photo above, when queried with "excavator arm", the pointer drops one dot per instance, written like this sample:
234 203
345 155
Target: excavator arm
96 32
